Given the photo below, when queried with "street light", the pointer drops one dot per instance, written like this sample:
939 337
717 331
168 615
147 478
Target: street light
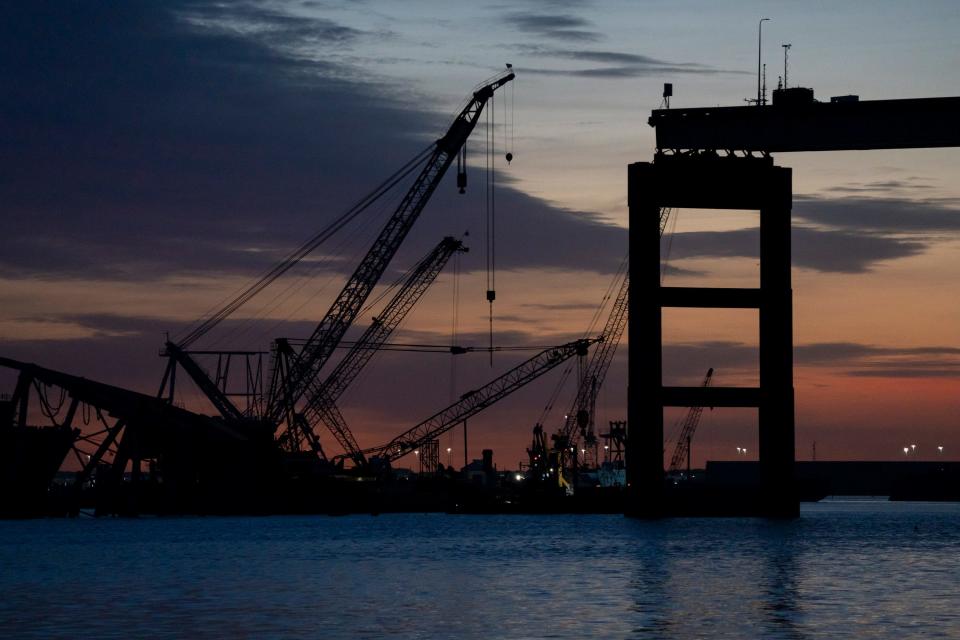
940 449
906 451
759 57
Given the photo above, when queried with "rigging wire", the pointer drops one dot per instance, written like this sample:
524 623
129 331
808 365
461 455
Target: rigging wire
455 326
333 278
666 254
613 286
300 282
491 214
437 348
212 320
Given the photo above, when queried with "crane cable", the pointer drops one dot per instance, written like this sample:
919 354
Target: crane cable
455 326
216 317
598 313
491 216
454 338
670 235
310 273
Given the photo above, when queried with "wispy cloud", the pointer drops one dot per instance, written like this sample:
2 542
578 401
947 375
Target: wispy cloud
828 250
879 214
555 26
847 358
616 64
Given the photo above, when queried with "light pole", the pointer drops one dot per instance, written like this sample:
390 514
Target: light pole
759 58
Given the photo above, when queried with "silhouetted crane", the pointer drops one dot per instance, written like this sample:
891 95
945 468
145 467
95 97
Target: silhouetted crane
682 450
579 420
473 402
301 379
321 405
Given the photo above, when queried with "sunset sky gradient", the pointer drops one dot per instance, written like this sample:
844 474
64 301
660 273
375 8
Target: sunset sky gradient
158 156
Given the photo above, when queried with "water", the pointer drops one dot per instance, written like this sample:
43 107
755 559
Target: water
844 569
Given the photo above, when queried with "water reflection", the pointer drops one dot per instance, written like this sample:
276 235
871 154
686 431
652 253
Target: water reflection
649 582
840 571
781 600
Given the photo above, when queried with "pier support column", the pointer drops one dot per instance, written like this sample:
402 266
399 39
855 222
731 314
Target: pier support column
776 411
710 182
644 447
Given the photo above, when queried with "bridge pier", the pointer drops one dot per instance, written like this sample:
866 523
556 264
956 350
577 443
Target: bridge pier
710 182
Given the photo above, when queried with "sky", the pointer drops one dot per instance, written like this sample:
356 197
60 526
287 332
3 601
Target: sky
159 156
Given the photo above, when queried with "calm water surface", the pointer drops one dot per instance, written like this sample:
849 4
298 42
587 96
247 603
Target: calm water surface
844 569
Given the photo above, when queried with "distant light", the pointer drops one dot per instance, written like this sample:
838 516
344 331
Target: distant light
940 448
551 469
906 450
416 452
606 447
449 449
914 447
519 477
584 451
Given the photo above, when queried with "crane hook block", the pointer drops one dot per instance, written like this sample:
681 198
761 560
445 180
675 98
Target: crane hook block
509 157
462 181
491 295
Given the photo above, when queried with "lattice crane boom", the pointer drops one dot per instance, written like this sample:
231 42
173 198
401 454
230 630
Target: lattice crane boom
343 311
475 401
599 365
321 397
687 430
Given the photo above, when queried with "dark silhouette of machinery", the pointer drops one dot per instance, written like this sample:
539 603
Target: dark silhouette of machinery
297 400
475 401
691 421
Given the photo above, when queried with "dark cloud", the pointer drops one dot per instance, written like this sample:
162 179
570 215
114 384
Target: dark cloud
819 249
269 25
878 214
940 371
620 64
562 306
833 352
553 26
893 186
670 270
845 234
633 71
145 143
619 57
685 361
871 361
193 137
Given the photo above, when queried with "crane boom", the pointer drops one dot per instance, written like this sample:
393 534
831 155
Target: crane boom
321 398
599 364
209 388
686 432
475 401
348 303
